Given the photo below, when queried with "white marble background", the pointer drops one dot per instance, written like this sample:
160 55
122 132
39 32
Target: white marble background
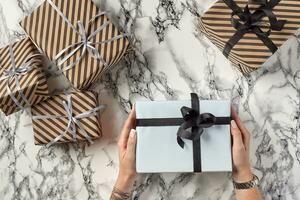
171 59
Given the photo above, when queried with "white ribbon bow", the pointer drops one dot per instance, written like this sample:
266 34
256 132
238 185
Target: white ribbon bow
85 43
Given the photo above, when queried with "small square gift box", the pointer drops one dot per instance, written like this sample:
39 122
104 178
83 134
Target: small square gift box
67 118
248 32
80 40
183 136
22 81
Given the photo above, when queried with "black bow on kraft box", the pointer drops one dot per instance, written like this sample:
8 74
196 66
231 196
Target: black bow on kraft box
248 32
183 136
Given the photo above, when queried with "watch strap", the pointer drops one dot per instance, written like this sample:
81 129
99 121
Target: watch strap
246 185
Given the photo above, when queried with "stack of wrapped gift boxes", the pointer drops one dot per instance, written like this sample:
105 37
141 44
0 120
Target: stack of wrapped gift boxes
173 136
83 44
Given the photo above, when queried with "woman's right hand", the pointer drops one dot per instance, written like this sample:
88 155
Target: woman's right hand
240 150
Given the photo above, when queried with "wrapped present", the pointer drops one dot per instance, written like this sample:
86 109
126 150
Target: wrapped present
66 118
22 81
248 33
80 40
183 136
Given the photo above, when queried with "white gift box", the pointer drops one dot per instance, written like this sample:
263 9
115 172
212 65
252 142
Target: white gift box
157 147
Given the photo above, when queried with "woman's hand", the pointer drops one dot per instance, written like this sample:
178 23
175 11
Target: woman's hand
127 143
240 150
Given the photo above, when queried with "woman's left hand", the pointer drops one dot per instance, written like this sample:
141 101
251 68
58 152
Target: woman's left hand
127 143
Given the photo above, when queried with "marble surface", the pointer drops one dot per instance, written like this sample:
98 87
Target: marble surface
170 60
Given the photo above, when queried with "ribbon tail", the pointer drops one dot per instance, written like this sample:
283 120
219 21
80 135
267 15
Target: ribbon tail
180 142
274 23
13 97
90 113
68 67
273 3
98 30
4 77
113 38
232 42
59 137
84 132
60 61
43 117
20 90
55 140
73 131
96 16
96 55
29 58
265 39
93 52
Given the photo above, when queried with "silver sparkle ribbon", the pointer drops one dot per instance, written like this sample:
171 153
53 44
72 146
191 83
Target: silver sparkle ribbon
86 45
13 74
74 120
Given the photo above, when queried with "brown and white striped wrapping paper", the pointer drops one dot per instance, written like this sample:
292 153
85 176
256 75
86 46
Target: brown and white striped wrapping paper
52 34
46 130
250 52
33 83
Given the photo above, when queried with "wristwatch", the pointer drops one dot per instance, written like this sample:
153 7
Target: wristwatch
246 185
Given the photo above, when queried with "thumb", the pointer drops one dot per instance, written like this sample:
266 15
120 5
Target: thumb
131 143
236 135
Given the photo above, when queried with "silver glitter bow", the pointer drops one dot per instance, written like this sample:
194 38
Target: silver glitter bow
86 45
73 120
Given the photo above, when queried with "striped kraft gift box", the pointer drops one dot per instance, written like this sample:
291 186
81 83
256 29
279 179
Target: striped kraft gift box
67 118
77 37
22 81
248 32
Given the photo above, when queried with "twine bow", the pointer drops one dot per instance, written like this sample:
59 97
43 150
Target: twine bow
73 120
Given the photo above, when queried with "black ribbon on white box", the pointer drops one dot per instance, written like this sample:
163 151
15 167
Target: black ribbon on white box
191 126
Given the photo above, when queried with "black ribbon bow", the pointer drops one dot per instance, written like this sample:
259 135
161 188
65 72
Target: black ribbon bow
194 122
193 126
244 22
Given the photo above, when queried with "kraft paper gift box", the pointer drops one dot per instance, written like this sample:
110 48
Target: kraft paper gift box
67 118
22 81
245 34
183 136
82 42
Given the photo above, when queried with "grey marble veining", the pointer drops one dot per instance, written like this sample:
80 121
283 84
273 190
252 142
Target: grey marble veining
171 58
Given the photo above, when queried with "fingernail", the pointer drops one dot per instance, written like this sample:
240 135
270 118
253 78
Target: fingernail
233 124
132 133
